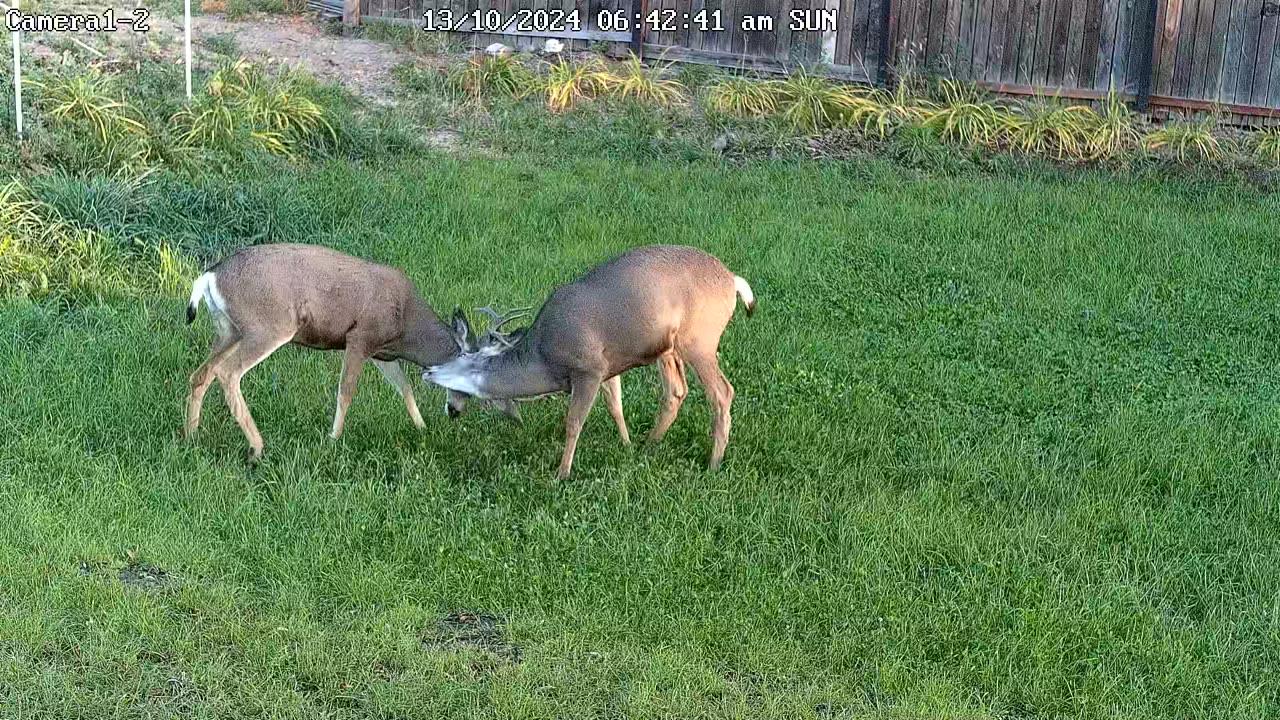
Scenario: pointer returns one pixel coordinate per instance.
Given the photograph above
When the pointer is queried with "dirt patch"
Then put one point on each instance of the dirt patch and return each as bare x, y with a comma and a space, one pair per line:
444, 139
468, 631
362, 66
143, 577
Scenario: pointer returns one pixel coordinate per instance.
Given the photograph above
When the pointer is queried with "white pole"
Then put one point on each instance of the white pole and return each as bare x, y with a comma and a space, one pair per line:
17, 78
186, 10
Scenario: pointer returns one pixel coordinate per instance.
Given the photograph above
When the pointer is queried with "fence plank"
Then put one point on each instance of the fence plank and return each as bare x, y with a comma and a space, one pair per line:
947, 59
1075, 39
783, 49
915, 48
1107, 44
844, 30
1266, 53
1001, 10
1274, 96
1208, 46
862, 46
965, 45
1089, 43
1059, 43
1026, 42
982, 23
1232, 52
1044, 42
1167, 40
1128, 42
760, 43
935, 33
1209, 80
1186, 48
721, 41
1249, 53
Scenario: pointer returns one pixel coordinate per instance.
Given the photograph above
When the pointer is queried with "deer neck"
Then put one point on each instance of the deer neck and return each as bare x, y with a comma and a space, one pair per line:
427, 341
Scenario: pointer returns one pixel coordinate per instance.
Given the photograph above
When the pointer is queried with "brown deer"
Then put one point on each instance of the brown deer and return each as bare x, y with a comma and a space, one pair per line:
266, 296
658, 304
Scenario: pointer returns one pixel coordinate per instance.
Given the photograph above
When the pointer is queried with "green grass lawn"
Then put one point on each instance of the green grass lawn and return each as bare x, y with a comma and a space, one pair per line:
1001, 448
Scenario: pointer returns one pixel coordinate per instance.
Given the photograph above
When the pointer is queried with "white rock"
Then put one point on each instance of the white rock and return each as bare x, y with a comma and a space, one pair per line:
498, 50
552, 46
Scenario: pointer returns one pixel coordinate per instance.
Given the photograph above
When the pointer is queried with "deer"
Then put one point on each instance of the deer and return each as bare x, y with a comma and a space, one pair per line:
263, 297
661, 305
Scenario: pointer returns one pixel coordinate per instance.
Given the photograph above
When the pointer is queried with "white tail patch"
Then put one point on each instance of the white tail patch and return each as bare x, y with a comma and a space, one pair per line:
744, 292
205, 288
198, 289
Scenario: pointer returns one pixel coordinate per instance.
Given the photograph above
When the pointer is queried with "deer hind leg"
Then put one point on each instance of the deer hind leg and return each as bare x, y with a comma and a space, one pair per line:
394, 374
202, 378
719, 397
583, 391
612, 390
674, 390
352, 363
243, 357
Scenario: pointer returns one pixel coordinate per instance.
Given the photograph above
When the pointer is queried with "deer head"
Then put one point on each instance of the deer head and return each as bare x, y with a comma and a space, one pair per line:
476, 351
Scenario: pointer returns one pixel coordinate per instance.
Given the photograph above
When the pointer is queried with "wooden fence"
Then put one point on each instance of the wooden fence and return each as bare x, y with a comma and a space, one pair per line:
1169, 55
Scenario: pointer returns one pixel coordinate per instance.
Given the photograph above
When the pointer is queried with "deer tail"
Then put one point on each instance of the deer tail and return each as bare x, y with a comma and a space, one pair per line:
199, 289
744, 291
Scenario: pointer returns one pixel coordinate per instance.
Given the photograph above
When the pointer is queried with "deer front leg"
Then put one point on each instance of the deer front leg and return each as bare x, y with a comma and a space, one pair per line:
352, 364
392, 371
612, 389
583, 391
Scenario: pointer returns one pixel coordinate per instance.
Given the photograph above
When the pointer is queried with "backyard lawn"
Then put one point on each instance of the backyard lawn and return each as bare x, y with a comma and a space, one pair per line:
1002, 447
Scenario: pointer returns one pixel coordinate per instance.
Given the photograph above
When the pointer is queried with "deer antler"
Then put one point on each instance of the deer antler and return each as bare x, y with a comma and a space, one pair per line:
495, 328
500, 320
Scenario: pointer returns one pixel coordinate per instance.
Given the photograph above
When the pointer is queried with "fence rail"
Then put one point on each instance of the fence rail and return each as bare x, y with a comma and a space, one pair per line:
1171, 55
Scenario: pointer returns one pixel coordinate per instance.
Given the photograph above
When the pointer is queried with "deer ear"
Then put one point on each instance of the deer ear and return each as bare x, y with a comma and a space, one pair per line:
462, 330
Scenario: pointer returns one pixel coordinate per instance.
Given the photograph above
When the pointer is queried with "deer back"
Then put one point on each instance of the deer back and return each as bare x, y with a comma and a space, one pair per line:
633, 308
324, 299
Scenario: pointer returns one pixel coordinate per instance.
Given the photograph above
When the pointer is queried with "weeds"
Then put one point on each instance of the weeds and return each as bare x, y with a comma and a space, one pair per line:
96, 129
964, 116
87, 99
240, 105
569, 83
885, 112
647, 85
1043, 128
1265, 147
1111, 133
504, 76
1183, 139
742, 97
812, 102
